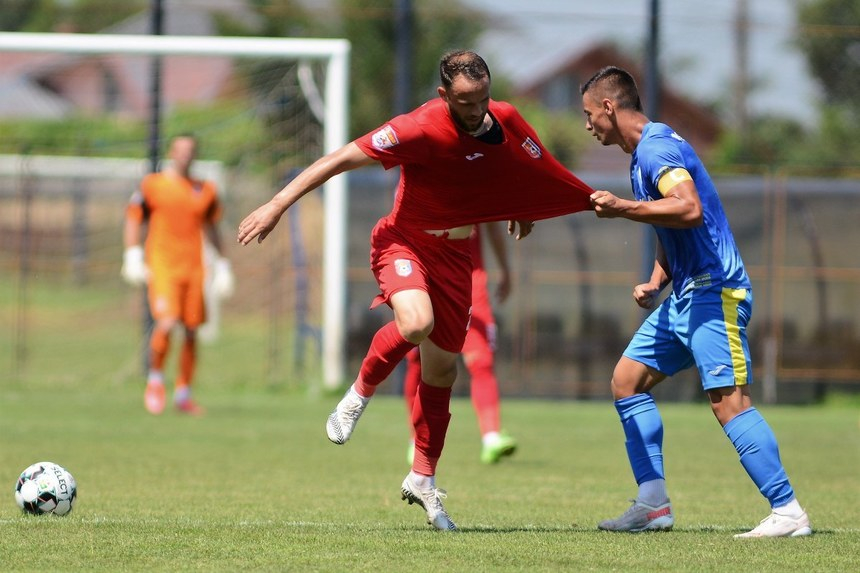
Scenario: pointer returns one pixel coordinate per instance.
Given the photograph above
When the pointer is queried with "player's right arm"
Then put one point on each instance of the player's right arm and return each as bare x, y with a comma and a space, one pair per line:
496, 238
262, 220
134, 270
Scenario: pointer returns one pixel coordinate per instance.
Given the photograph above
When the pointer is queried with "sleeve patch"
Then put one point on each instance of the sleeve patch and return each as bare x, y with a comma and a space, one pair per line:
669, 177
384, 138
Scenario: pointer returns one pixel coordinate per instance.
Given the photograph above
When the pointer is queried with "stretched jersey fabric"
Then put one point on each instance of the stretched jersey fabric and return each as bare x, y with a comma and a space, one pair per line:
177, 210
701, 256
449, 178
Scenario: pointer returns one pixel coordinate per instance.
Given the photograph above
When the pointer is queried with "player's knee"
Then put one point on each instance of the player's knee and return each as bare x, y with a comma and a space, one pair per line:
440, 377
416, 329
479, 362
166, 324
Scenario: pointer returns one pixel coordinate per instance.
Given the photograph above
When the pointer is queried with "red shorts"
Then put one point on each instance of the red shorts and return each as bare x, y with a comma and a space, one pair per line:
406, 259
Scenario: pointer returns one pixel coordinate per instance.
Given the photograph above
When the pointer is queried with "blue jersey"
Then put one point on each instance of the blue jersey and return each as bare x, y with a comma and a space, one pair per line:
700, 256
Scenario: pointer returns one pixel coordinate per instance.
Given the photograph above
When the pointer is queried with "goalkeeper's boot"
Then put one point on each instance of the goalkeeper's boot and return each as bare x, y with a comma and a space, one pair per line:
776, 525
494, 450
642, 517
190, 407
342, 421
430, 498
154, 397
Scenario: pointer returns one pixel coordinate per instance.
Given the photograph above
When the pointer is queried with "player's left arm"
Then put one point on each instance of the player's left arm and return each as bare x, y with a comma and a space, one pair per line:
646, 294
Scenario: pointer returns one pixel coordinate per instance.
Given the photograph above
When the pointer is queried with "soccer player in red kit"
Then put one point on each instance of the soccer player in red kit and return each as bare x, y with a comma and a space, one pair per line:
464, 159
478, 349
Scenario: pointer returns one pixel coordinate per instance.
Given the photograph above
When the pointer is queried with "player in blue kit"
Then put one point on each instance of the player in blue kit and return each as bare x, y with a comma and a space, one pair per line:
703, 320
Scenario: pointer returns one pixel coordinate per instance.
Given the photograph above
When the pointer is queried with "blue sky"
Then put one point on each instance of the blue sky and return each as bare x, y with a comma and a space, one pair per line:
697, 45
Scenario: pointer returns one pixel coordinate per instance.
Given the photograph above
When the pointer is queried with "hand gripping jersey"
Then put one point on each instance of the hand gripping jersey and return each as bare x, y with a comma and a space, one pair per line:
702, 256
176, 210
449, 178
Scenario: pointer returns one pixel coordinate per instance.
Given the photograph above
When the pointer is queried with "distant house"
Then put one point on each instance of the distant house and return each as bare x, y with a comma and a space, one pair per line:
558, 88
49, 86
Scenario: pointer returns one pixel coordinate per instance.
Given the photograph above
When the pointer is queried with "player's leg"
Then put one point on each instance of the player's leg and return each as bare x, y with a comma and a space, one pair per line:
410, 387
413, 321
193, 313
643, 430
722, 354
164, 306
430, 418
451, 294
479, 358
653, 353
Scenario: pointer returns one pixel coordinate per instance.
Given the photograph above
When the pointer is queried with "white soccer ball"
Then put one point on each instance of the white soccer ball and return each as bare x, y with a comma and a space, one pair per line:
46, 487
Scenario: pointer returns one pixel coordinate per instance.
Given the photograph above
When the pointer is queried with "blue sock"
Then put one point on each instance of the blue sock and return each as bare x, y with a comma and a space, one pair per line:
759, 453
643, 429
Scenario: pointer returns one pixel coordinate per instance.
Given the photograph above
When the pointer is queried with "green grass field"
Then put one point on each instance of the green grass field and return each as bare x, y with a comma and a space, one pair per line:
255, 485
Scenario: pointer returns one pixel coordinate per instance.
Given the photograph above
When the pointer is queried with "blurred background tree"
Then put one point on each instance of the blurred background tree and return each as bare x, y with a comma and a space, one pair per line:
828, 34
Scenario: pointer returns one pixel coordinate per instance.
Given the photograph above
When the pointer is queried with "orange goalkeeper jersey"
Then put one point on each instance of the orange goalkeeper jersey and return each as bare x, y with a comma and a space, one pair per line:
177, 210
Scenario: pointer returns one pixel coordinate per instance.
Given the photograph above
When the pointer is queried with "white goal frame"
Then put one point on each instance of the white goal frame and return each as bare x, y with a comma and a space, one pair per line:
335, 54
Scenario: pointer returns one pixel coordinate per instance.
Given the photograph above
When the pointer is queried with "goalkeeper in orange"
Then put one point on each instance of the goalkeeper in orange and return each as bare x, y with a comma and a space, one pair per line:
178, 209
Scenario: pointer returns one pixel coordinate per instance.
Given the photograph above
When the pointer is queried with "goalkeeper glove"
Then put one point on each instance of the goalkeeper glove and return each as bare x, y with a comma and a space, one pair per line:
134, 270
223, 282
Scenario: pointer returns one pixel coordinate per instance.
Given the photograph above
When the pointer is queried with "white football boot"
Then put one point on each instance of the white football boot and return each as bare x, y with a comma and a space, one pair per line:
430, 498
776, 525
341, 422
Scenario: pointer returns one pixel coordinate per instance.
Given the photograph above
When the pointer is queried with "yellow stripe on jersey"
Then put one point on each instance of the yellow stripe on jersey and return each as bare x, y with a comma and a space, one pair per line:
671, 178
731, 299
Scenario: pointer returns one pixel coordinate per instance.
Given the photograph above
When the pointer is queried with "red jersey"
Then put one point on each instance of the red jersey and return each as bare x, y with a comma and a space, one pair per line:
449, 178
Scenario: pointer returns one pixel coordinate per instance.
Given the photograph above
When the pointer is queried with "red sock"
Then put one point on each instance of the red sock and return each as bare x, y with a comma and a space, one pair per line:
485, 394
430, 417
411, 379
386, 351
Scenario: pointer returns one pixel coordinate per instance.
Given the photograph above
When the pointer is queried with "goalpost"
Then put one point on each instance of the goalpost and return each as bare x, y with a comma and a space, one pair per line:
334, 54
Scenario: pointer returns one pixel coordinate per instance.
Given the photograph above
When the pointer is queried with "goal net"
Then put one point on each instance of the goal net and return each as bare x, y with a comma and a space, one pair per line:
78, 111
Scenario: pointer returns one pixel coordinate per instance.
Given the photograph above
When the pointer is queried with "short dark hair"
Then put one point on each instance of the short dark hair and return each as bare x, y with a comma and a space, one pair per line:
462, 63
617, 84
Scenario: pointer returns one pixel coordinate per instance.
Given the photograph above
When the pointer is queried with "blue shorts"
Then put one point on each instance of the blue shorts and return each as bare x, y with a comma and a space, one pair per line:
707, 328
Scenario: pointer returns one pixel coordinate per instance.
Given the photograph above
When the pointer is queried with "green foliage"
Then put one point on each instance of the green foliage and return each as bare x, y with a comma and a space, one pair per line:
770, 142
82, 16
773, 143
828, 34
369, 25
227, 128
15, 14
255, 486
560, 131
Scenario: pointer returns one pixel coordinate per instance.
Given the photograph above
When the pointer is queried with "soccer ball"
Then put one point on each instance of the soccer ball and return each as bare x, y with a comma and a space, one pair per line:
46, 487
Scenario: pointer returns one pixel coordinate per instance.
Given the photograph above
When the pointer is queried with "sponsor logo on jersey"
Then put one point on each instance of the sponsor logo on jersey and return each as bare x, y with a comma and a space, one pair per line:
474, 156
384, 138
403, 267
531, 148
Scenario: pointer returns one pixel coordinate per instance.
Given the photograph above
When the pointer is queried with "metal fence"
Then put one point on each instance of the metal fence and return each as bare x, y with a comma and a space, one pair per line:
568, 319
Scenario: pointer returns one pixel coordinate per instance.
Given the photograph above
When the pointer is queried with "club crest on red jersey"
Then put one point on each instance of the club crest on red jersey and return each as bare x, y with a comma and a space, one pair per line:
532, 148
384, 138
403, 267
